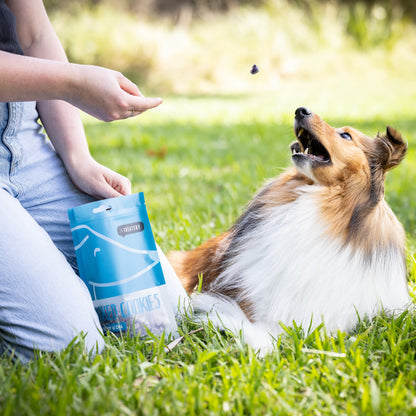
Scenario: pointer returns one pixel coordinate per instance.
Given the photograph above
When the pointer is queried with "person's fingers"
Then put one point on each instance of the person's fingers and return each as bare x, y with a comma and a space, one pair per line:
140, 104
109, 192
129, 86
108, 95
124, 186
117, 184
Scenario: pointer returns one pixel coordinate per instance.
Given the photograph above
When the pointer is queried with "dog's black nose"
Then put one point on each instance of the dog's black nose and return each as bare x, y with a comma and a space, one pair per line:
302, 112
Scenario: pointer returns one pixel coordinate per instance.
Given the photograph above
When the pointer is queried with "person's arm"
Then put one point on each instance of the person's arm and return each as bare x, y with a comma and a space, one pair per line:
44, 75
100, 92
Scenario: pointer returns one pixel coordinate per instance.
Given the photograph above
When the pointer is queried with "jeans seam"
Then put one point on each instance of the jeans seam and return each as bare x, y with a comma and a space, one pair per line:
14, 118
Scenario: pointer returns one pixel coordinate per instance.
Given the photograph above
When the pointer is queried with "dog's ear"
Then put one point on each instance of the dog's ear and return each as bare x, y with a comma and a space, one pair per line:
391, 148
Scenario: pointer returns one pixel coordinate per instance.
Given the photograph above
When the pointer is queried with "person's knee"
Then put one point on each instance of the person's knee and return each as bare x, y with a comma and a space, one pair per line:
92, 338
81, 327
54, 340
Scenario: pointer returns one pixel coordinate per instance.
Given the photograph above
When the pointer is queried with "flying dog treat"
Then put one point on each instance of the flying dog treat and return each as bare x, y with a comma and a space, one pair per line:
254, 69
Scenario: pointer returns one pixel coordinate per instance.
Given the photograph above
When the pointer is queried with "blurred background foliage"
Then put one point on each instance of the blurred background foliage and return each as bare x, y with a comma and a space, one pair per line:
391, 7
207, 46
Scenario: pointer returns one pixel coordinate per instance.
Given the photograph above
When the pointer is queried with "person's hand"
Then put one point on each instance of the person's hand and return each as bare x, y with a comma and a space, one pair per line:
97, 180
106, 94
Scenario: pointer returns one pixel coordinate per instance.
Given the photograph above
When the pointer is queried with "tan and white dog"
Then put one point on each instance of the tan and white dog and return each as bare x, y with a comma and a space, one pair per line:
317, 244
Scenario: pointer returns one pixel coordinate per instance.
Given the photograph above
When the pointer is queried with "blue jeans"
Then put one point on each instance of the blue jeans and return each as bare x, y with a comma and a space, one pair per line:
43, 302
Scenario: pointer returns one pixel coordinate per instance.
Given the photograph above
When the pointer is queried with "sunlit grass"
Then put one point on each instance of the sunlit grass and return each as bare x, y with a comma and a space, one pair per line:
199, 159
219, 150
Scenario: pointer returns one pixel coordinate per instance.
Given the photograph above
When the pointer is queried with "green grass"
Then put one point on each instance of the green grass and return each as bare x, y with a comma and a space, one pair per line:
219, 150
371, 373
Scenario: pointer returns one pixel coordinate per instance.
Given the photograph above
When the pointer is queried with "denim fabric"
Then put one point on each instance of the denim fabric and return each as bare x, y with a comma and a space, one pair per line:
43, 302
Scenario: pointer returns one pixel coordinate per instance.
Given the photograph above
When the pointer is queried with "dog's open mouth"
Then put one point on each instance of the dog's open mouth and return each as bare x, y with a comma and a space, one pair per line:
308, 145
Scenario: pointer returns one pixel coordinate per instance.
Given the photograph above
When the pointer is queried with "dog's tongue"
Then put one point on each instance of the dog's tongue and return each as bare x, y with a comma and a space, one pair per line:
320, 157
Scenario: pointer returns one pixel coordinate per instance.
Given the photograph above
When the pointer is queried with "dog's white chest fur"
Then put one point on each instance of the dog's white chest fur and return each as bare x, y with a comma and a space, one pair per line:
289, 268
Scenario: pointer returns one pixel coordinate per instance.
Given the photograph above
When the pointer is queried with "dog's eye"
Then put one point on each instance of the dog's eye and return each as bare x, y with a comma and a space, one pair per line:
345, 136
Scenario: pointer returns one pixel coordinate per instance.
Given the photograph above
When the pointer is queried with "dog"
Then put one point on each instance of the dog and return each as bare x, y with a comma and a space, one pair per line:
317, 245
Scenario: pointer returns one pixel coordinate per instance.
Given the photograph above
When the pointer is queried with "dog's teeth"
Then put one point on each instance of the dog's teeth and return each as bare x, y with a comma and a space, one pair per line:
307, 151
300, 132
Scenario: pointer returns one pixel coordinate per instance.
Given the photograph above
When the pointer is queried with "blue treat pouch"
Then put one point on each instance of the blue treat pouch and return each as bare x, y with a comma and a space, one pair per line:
119, 262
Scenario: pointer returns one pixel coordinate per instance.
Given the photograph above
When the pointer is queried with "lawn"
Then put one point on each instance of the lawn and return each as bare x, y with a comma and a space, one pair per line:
198, 159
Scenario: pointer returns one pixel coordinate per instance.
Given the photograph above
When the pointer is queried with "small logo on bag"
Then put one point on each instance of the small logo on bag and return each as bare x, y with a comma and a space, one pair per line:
134, 227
